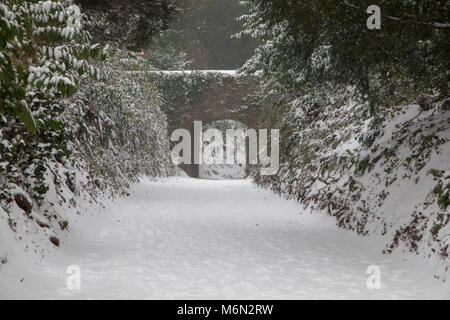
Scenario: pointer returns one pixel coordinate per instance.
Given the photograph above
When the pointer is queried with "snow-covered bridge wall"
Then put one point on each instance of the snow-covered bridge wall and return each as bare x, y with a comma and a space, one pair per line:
206, 95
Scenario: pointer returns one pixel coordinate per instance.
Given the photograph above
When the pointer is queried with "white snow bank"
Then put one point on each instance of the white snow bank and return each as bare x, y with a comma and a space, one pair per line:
202, 239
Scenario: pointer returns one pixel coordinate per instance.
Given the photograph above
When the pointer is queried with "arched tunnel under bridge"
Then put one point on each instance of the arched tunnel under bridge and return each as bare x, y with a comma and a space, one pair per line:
212, 97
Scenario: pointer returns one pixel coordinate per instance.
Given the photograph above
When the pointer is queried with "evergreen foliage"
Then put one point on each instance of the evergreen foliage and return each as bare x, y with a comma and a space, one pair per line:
409, 53
43, 52
75, 121
346, 100
130, 24
204, 30
117, 126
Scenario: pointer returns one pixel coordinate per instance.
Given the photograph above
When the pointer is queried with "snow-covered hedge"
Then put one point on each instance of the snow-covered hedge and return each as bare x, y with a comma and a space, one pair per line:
43, 52
365, 134
386, 174
117, 126
73, 128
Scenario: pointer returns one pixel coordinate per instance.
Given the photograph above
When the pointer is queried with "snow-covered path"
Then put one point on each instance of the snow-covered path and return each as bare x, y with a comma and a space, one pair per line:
200, 239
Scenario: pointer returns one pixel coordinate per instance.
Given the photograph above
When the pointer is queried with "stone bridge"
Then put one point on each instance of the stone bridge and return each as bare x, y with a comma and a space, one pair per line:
207, 96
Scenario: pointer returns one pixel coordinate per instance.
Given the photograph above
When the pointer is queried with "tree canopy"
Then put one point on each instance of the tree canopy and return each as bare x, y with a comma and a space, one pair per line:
410, 49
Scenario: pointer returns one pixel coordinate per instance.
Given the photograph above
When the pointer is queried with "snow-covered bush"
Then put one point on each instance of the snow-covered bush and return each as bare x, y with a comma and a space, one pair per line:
354, 140
71, 125
386, 174
43, 52
117, 126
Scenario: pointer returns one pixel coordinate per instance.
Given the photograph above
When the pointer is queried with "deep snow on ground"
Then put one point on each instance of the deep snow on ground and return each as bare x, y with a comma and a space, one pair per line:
209, 239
